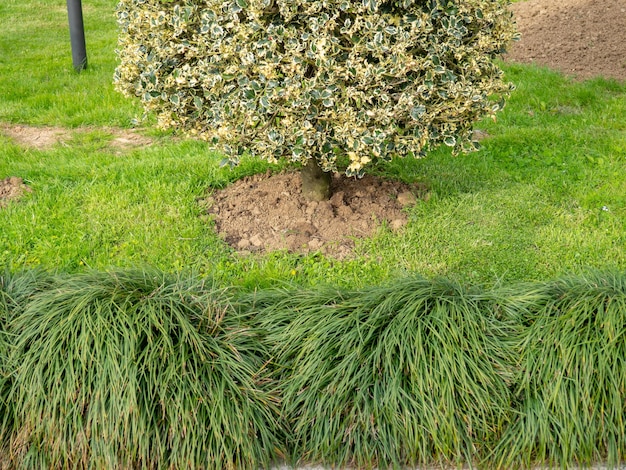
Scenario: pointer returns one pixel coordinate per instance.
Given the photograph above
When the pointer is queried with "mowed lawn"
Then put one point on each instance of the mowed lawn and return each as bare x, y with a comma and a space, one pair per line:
546, 194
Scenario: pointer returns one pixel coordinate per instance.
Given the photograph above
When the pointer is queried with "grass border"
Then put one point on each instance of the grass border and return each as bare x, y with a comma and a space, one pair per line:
412, 372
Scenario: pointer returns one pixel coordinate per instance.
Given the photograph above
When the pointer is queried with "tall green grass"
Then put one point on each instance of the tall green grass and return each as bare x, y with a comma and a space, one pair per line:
571, 382
413, 372
4, 353
138, 369
15, 291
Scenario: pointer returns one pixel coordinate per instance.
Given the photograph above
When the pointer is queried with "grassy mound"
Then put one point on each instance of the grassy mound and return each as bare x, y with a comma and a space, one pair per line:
138, 369
414, 372
571, 382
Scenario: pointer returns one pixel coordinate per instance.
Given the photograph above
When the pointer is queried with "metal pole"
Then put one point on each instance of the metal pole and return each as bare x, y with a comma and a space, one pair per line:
77, 34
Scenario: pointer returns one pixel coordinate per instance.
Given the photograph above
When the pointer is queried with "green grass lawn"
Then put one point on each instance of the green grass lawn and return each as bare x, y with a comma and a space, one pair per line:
546, 195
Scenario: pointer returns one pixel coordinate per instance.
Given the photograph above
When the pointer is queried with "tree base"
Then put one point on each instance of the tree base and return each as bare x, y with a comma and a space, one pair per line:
315, 182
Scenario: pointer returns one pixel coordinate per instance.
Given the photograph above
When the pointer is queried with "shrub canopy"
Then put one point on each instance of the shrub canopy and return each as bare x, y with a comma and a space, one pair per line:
345, 81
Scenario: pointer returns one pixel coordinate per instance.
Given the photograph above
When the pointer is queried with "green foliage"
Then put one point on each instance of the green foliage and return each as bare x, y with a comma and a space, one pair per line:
15, 292
4, 354
413, 372
138, 370
353, 80
133, 369
571, 381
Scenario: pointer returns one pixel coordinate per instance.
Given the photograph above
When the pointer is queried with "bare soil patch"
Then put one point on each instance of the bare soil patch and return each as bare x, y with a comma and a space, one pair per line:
12, 188
267, 212
45, 137
581, 38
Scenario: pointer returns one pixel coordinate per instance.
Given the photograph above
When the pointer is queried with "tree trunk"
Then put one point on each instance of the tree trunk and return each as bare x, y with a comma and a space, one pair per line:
315, 182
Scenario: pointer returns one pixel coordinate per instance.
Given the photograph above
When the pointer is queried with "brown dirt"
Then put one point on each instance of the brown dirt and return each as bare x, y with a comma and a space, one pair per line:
12, 188
267, 213
43, 138
581, 38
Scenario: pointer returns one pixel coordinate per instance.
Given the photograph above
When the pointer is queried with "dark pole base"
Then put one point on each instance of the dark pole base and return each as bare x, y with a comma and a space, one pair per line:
77, 34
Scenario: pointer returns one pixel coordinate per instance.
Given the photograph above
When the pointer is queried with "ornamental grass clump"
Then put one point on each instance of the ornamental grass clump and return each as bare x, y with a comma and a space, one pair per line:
412, 373
136, 369
334, 83
5, 410
15, 292
571, 384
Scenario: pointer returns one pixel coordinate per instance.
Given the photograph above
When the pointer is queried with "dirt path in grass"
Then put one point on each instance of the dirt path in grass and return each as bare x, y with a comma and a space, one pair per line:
46, 137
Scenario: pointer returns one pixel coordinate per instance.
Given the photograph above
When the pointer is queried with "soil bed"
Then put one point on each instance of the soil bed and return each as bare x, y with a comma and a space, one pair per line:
581, 38
267, 213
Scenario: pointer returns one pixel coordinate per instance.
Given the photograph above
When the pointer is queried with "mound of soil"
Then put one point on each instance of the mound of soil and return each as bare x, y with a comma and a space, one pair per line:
581, 38
267, 213
12, 188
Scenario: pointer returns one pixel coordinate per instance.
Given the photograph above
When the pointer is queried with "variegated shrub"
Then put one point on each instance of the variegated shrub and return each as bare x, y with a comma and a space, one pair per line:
342, 81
